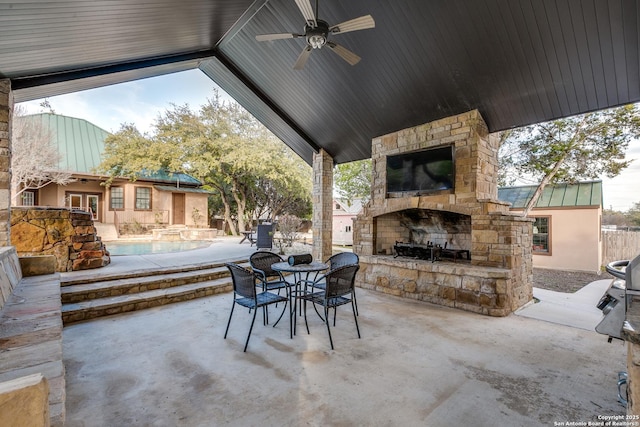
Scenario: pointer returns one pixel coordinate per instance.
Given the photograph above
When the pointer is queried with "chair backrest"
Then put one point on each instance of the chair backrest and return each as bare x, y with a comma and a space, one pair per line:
340, 281
341, 259
244, 281
261, 262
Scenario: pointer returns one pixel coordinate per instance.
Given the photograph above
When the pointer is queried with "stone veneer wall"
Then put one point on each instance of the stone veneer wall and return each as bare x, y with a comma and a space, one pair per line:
6, 107
498, 279
69, 235
322, 198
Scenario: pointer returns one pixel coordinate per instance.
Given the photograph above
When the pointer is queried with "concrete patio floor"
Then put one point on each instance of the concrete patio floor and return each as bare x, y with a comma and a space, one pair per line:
417, 364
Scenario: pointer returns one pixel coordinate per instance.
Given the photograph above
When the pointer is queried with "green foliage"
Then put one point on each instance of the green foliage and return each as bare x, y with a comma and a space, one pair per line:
250, 171
353, 180
570, 149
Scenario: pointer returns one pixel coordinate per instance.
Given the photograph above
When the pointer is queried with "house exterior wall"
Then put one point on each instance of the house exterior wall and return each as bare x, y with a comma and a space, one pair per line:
161, 202
199, 202
575, 239
343, 228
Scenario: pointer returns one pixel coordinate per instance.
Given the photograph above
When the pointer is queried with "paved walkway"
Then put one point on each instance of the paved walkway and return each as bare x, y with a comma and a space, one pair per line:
577, 310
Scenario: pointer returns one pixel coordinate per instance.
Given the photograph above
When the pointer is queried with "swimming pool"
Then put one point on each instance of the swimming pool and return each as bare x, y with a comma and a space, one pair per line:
154, 246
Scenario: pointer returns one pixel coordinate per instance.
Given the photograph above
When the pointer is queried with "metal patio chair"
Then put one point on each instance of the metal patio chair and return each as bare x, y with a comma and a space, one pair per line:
246, 295
270, 279
339, 290
340, 260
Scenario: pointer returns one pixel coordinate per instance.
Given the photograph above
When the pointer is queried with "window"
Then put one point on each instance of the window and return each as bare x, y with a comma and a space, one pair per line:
541, 228
143, 198
347, 228
117, 198
29, 198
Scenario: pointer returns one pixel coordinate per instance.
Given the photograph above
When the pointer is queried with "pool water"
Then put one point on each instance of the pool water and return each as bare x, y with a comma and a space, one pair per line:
154, 247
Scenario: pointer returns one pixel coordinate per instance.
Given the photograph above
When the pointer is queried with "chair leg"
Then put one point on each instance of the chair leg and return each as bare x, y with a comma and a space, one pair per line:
281, 314
233, 305
355, 316
355, 301
305, 315
326, 320
250, 329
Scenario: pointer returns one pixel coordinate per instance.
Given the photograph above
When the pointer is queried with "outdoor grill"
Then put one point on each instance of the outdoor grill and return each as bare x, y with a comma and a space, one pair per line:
614, 305
614, 302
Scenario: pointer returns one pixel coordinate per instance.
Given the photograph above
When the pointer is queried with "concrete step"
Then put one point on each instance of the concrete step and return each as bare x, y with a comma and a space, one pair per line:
92, 297
92, 276
91, 309
131, 285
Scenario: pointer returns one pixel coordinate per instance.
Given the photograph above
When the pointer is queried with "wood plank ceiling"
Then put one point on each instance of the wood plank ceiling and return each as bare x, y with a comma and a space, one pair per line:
516, 61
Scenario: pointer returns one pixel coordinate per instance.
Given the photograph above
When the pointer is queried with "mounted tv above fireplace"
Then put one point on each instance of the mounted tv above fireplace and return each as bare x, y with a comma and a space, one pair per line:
421, 172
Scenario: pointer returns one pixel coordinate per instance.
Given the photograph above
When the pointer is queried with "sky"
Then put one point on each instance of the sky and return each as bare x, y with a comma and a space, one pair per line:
141, 101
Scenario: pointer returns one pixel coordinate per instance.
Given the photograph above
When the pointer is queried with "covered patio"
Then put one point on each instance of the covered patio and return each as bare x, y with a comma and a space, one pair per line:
514, 62
417, 364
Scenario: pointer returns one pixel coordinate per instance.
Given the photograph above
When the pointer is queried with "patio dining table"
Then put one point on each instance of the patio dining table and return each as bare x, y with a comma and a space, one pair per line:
298, 270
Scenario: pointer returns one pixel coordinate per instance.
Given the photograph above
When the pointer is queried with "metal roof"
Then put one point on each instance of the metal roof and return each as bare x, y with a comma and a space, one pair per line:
587, 193
517, 61
81, 145
79, 142
182, 189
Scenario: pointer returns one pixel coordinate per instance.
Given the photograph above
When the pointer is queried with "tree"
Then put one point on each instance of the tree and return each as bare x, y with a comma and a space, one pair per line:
35, 159
222, 145
633, 214
569, 149
617, 218
353, 180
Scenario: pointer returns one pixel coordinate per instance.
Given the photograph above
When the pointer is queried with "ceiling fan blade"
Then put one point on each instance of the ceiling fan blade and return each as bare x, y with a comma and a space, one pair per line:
302, 59
344, 53
280, 36
362, 23
307, 11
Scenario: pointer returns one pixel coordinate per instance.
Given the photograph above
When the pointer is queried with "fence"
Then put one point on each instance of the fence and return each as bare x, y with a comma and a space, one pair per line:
619, 245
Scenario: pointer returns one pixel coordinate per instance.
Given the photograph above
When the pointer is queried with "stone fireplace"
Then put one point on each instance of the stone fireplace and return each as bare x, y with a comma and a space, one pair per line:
496, 280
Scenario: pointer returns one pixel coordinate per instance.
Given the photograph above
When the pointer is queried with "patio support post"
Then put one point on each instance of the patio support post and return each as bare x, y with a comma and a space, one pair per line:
6, 111
322, 223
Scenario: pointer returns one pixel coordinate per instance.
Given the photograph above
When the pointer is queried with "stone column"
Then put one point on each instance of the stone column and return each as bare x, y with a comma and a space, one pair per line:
322, 223
6, 111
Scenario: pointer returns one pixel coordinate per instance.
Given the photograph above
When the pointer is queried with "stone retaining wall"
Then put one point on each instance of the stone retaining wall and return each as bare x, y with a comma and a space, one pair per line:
69, 235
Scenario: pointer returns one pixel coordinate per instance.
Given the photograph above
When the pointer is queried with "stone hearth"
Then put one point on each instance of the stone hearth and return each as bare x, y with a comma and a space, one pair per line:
497, 279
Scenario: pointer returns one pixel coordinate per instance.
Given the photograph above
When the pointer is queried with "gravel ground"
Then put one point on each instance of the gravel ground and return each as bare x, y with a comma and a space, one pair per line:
564, 281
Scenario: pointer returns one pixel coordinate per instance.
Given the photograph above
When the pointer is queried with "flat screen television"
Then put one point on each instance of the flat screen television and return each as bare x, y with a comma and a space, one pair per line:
421, 172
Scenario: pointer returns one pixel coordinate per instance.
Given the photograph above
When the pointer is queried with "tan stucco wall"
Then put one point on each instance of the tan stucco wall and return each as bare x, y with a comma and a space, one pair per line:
575, 239
196, 201
54, 196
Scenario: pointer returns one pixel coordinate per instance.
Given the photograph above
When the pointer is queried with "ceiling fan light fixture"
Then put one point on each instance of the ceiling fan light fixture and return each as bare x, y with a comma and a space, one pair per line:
317, 36
316, 41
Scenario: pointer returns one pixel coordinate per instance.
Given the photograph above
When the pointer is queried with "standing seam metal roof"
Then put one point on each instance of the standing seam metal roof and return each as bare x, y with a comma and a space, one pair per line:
79, 142
588, 193
81, 145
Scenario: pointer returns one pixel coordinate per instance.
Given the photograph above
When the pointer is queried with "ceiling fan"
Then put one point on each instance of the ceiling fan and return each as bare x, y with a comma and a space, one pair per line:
317, 31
